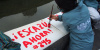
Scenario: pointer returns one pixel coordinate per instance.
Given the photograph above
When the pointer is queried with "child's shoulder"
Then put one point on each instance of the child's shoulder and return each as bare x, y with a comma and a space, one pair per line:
72, 14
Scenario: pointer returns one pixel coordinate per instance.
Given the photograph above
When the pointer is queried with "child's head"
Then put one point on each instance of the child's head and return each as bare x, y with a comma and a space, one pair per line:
66, 5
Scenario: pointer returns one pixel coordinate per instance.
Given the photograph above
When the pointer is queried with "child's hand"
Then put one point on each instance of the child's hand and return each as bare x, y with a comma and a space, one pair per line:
54, 17
99, 9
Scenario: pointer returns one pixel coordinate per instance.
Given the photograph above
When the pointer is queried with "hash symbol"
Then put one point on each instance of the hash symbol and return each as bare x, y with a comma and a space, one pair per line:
35, 46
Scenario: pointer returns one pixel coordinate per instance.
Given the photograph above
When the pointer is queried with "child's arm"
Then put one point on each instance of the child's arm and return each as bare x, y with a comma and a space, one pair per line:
59, 17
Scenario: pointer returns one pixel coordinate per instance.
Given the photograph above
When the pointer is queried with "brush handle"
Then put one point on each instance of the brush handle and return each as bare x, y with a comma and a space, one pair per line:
51, 12
50, 17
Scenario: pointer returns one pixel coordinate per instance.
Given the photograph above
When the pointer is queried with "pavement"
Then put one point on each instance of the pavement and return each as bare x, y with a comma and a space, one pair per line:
96, 40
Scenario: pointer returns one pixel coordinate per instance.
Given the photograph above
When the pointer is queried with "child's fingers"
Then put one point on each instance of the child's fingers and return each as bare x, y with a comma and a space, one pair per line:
53, 17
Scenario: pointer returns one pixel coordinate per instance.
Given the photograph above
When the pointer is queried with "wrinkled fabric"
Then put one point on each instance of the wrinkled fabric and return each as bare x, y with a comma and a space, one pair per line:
78, 23
7, 44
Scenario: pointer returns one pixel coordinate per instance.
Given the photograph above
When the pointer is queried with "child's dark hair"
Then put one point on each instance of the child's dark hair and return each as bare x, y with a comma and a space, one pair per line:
98, 0
66, 5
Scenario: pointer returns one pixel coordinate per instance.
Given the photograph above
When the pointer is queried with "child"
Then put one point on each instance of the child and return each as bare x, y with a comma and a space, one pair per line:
76, 20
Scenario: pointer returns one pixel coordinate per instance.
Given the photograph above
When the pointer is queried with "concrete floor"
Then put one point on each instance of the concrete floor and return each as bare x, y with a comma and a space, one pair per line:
96, 40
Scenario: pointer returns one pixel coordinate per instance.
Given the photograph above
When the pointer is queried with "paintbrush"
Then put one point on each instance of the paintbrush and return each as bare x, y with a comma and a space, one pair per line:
50, 17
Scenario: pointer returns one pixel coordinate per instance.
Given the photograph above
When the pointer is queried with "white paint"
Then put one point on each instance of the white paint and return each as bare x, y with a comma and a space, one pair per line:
56, 27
